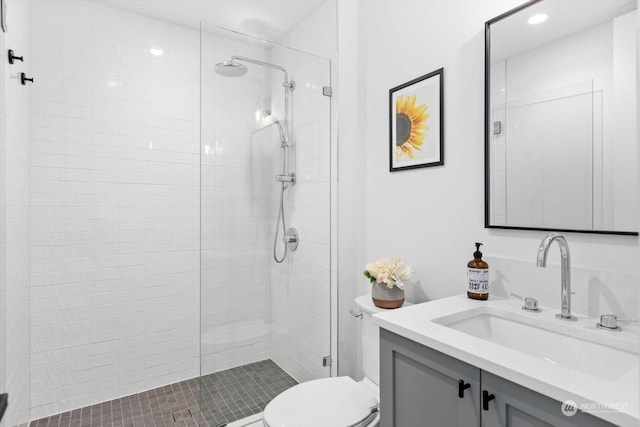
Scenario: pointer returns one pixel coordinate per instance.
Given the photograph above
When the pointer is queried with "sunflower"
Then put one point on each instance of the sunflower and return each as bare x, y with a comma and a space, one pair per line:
410, 125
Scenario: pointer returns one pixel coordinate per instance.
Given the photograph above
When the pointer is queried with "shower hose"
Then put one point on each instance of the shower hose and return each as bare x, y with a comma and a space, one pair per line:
284, 228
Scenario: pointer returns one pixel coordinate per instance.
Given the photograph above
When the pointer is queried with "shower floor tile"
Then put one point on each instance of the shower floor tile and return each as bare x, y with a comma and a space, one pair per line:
209, 401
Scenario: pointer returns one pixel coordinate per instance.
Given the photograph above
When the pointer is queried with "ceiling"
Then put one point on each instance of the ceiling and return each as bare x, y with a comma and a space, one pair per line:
513, 35
264, 19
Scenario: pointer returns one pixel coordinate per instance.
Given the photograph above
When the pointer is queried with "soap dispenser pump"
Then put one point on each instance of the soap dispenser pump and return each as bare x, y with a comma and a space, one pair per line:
478, 275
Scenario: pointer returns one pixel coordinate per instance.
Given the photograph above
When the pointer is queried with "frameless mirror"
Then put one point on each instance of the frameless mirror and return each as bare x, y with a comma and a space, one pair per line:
560, 117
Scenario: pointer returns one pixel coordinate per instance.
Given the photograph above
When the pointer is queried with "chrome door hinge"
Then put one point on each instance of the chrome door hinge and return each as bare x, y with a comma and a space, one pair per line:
327, 361
327, 91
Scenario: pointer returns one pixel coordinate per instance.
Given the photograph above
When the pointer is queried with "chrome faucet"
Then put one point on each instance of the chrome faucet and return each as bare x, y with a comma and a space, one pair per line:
565, 293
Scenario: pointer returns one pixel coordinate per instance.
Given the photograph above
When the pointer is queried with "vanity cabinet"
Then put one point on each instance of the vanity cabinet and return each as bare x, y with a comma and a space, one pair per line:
420, 386
517, 406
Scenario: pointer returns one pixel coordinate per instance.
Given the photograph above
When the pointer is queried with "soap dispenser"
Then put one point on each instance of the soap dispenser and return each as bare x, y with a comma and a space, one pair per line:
478, 275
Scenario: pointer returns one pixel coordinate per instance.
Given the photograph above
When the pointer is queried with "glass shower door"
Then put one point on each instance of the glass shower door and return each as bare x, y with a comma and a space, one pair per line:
265, 322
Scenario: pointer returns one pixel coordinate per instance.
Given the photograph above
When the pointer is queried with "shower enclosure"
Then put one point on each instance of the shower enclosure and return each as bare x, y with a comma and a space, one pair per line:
265, 220
141, 197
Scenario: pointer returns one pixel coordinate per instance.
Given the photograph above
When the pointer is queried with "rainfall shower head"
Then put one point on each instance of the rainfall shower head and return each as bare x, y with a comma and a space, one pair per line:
231, 68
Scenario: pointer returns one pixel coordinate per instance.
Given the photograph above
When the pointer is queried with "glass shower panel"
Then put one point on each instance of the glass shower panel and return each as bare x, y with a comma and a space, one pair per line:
265, 155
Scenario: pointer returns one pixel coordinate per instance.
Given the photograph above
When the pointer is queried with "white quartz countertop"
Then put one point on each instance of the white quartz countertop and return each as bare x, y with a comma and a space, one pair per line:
422, 323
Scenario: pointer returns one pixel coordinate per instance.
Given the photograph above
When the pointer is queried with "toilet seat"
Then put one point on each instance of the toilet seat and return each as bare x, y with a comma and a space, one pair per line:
327, 402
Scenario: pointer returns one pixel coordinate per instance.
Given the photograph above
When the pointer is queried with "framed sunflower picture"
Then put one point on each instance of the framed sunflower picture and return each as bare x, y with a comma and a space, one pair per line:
416, 123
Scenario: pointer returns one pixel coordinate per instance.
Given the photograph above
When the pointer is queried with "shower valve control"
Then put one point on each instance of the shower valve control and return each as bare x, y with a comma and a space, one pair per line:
290, 238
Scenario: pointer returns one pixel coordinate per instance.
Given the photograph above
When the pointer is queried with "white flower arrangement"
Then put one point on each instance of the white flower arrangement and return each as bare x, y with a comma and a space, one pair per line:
391, 271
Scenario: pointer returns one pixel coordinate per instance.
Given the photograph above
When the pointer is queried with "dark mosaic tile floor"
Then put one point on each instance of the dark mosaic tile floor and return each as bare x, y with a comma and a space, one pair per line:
209, 401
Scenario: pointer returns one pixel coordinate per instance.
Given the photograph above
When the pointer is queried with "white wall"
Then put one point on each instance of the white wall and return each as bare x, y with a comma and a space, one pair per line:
432, 216
14, 216
625, 127
351, 184
114, 204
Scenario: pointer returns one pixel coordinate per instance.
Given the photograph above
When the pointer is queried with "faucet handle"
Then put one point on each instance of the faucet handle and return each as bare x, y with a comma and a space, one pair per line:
610, 322
530, 304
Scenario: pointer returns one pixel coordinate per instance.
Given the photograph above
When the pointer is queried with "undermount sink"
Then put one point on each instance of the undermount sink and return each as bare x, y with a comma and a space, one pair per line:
561, 359
601, 355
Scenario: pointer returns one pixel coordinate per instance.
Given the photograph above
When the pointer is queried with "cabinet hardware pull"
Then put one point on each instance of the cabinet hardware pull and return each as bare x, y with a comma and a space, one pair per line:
486, 398
462, 387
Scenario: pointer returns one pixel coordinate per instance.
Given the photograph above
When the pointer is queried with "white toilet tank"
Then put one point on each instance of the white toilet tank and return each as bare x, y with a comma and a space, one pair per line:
369, 339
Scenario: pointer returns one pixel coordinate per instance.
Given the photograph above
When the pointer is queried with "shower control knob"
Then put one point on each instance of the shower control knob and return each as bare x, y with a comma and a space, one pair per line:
291, 239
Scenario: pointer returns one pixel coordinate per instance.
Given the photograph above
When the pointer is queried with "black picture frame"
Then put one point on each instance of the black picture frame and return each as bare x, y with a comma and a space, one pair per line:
416, 143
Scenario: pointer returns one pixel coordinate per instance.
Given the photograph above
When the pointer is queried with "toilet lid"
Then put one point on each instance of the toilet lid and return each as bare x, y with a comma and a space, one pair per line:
327, 402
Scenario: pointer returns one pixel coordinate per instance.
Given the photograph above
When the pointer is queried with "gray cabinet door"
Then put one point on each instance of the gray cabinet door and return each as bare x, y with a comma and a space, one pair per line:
419, 386
516, 406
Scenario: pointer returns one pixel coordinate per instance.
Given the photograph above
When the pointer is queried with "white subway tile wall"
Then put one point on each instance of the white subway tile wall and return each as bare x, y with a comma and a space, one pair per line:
305, 37
14, 231
254, 308
115, 198
301, 285
114, 204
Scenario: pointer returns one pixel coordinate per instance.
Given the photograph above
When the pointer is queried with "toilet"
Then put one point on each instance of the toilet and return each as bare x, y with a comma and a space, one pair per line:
336, 401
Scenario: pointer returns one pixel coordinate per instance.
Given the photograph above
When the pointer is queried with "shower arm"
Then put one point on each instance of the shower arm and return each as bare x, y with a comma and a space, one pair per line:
286, 83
